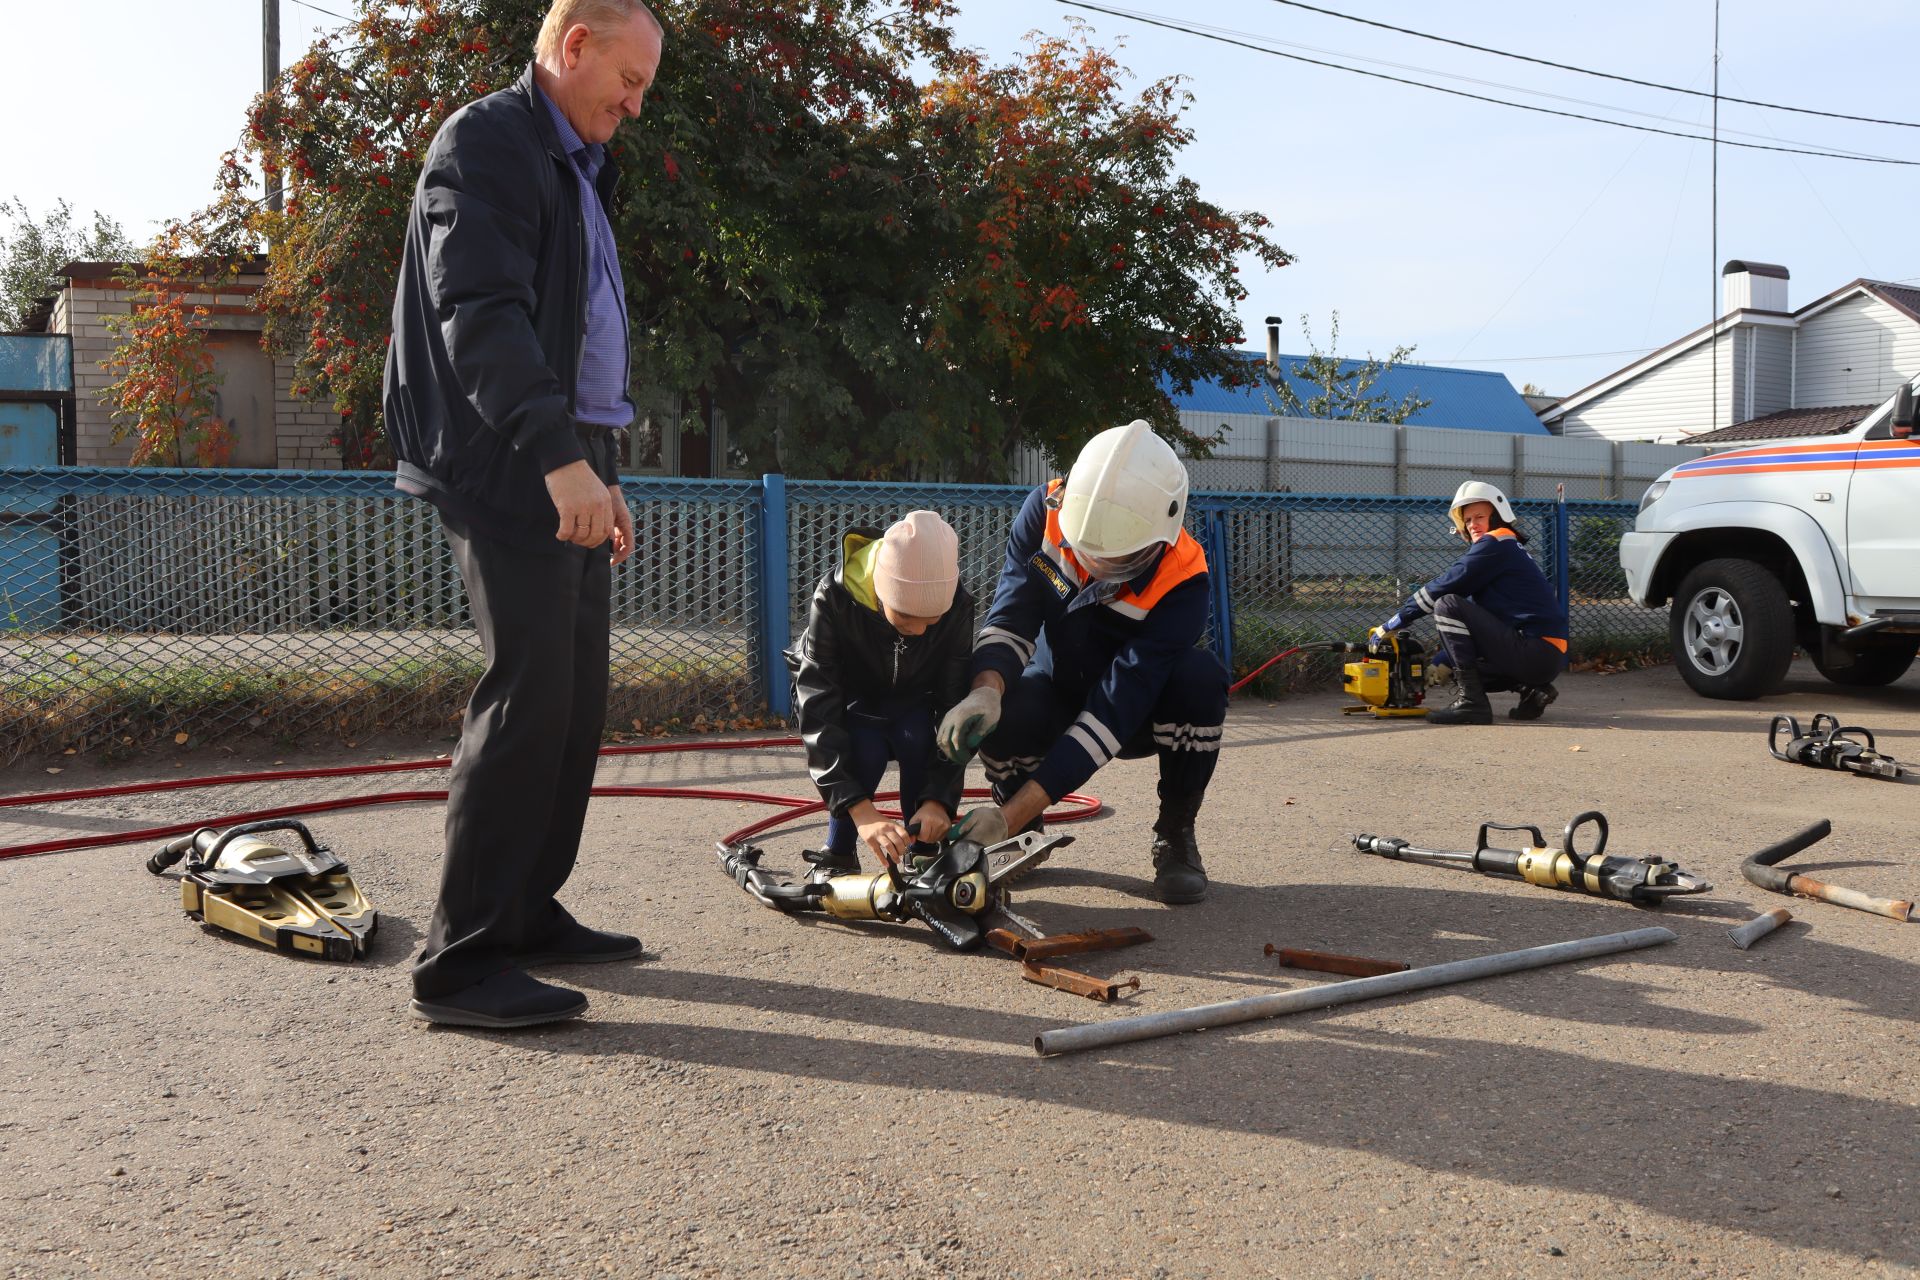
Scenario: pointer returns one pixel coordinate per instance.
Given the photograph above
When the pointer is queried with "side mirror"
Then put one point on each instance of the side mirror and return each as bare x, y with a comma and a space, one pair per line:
1902, 425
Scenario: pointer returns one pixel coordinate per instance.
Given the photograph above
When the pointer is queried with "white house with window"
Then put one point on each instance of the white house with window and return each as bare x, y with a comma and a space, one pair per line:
1760, 359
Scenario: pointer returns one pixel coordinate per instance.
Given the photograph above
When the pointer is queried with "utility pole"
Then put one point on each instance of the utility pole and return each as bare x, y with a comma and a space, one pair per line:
269, 75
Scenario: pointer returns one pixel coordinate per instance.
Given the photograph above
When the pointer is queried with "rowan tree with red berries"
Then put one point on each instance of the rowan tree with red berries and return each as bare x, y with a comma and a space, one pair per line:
869, 275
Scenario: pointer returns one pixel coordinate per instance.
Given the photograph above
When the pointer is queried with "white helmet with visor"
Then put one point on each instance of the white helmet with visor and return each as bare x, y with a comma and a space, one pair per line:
1124, 499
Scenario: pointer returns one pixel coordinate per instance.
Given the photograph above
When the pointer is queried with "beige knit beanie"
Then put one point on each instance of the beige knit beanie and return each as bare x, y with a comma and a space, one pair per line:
917, 568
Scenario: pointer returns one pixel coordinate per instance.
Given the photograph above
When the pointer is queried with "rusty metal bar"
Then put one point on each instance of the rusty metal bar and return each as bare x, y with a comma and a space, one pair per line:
1067, 944
1759, 869
1745, 935
1080, 984
1327, 962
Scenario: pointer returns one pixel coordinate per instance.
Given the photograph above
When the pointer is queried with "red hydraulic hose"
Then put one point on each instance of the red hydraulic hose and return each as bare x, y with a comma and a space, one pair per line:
1076, 807
1249, 678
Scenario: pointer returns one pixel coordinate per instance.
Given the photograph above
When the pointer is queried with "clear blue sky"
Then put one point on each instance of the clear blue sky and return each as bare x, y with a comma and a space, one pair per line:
1474, 232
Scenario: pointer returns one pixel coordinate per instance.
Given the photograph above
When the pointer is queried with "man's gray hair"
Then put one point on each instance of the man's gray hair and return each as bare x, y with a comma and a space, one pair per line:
598, 15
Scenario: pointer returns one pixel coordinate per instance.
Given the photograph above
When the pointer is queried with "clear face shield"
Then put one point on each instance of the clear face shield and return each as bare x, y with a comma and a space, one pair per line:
1118, 568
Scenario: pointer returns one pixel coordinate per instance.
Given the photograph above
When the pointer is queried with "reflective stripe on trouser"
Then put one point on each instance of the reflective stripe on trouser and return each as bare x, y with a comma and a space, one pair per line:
877, 733
1506, 659
1183, 730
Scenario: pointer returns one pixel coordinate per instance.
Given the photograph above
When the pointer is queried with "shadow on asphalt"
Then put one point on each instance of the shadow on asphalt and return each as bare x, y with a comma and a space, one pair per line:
1708, 1148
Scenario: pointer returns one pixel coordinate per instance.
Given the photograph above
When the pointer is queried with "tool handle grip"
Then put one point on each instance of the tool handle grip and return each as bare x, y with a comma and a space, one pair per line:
1792, 727
1592, 817
1480, 844
172, 851
960, 932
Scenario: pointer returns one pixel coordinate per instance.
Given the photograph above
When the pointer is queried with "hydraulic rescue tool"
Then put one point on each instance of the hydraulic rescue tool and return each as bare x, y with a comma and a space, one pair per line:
295, 896
1647, 881
1761, 868
1832, 745
946, 890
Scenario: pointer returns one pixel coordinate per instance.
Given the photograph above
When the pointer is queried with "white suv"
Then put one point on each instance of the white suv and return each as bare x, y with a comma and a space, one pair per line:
1812, 541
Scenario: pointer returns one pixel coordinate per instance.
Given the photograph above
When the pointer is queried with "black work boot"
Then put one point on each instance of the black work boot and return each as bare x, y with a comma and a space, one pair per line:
1178, 876
1534, 699
1471, 707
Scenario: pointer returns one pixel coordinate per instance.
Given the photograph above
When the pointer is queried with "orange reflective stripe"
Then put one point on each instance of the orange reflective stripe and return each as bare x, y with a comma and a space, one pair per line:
1556, 642
1184, 560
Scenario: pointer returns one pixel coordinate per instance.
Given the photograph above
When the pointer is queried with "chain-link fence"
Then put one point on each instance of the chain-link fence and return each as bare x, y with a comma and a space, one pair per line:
136, 606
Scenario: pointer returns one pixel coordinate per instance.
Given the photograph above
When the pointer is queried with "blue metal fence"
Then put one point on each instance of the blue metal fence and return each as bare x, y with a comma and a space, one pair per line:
140, 604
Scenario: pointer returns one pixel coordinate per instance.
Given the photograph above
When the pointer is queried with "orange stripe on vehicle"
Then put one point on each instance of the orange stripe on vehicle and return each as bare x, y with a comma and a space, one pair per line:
1843, 464
1556, 642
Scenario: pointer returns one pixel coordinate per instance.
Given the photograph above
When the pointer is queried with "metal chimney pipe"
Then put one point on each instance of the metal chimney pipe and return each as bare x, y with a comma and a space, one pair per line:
1273, 346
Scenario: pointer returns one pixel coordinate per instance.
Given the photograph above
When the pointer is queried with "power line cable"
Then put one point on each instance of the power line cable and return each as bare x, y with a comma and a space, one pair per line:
1571, 355
317, 9
1266, 40
1822, 202
1477, 97
1588, 71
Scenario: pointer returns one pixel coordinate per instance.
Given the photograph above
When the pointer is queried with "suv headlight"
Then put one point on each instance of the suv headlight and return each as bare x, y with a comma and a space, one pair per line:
1652, 495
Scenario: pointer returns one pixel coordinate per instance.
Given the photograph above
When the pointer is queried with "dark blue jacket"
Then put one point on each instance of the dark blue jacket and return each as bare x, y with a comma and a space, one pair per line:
488, 319
1497, 574
1110, 647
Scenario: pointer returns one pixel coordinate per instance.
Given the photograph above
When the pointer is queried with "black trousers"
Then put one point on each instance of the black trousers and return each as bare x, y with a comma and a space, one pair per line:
1505, 658
517, 798
1184, 729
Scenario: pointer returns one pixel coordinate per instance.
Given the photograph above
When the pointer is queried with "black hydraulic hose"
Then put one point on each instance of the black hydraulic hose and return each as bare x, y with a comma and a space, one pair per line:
1759, 867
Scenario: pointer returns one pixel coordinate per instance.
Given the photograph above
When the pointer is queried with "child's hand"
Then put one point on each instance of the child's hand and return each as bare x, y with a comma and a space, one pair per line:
887, 838
933, 820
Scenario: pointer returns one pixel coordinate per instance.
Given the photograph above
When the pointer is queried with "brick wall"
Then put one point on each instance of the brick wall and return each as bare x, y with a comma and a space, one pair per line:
303, 431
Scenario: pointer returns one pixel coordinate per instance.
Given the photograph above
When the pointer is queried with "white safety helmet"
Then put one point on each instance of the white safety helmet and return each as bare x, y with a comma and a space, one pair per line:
1479, 491
1125, 496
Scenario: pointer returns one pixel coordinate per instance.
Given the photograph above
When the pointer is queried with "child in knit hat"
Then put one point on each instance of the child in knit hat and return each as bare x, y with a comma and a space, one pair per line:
885, 653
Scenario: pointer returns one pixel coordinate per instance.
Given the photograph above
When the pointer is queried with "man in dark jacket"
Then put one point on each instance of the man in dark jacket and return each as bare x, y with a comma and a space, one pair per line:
505, 381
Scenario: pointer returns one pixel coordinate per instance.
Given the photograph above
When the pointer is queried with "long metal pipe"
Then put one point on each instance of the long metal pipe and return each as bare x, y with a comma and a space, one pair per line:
1149, 1026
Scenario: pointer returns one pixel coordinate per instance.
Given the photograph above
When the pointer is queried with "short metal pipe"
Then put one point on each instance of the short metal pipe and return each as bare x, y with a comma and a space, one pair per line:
1745, 935
1151, 1026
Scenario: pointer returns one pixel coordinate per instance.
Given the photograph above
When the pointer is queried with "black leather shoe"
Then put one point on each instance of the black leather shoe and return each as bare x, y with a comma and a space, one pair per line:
1178, 876
508, 999
578, 944
1534, 699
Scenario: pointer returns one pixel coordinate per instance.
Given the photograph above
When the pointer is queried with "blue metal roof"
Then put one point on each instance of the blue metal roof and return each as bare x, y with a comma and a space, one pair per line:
1471, 399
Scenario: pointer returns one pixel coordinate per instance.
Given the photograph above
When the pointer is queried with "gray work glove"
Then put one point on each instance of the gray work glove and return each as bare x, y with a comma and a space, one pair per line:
985, 826
964, 728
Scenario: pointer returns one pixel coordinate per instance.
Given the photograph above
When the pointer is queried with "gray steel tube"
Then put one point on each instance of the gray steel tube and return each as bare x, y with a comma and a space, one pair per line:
1149, 1026
1745, 935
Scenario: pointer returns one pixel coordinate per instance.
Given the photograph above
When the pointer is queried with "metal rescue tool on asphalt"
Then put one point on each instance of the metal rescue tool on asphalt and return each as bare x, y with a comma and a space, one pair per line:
294, 896
1832, 745
1646, 881
946, 890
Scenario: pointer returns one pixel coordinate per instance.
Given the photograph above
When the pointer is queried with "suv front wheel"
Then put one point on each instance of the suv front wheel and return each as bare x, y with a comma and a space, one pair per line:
1732, 630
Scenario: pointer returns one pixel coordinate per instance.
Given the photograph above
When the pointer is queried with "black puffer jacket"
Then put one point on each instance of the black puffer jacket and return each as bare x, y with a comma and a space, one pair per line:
488, 317
851, 653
